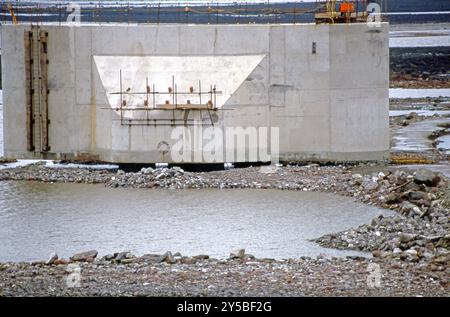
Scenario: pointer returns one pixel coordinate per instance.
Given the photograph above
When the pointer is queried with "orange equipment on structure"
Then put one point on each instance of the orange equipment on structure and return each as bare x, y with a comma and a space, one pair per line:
334, 11
347, 7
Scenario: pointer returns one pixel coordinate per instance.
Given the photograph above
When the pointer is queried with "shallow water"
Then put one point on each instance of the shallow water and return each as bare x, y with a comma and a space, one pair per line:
444, 143
37, 219
419, 41
414, 137
425, 113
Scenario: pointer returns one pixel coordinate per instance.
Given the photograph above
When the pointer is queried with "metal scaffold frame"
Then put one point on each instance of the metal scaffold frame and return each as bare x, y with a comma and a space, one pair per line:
171, 104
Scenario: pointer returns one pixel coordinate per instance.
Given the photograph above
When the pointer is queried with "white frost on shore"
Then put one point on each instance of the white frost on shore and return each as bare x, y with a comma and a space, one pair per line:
19, 163
73, 165
400, 93
51, 164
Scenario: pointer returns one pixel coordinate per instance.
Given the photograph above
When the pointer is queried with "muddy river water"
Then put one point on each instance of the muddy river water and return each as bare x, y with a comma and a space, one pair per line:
39, 218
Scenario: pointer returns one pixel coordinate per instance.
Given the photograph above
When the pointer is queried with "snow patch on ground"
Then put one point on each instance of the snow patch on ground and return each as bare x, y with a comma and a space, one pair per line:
51, 164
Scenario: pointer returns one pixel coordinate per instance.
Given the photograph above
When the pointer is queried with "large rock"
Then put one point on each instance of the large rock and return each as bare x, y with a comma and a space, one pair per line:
188, 260
427, 177
417, 195
168, 258
52, 259
147, 170
444, 242
84, 256
61, 262
123, 255
161, 176
238, 254
408, 208
178, 169
369, 184
201, 257
151, 258
108, 257
442, 259
357, 178
410, 255
407, 237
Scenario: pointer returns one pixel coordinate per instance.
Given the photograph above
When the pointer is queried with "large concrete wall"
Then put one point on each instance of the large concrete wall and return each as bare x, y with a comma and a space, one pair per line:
329, 106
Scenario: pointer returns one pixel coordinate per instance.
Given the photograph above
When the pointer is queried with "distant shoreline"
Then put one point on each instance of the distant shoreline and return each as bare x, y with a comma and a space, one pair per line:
398, 12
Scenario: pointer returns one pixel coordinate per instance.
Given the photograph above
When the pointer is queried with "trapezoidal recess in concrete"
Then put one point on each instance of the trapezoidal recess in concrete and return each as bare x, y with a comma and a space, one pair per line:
138, 72
121, 93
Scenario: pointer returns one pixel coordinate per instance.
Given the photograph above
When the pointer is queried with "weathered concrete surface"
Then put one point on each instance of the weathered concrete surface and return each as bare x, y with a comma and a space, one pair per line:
331, 105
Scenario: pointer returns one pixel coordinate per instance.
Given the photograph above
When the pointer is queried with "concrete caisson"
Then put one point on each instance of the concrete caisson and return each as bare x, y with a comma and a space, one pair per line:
324, 86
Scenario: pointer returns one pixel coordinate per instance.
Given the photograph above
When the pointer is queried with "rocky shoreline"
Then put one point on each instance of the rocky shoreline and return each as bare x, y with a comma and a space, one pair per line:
202, 276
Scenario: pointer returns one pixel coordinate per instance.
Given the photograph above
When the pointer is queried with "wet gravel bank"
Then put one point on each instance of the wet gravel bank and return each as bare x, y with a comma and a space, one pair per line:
238, 277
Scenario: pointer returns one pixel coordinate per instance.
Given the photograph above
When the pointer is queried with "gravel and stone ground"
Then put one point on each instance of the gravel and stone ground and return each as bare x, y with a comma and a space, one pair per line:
145, 276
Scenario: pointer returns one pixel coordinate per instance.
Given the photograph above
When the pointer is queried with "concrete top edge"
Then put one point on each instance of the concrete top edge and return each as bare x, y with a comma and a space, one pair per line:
106, 24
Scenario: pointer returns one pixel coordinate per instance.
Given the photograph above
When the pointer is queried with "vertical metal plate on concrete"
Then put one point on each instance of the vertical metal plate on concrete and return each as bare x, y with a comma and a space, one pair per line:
28, 44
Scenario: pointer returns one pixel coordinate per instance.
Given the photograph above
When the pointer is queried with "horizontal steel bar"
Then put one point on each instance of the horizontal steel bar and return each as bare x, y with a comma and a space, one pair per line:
166, 93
